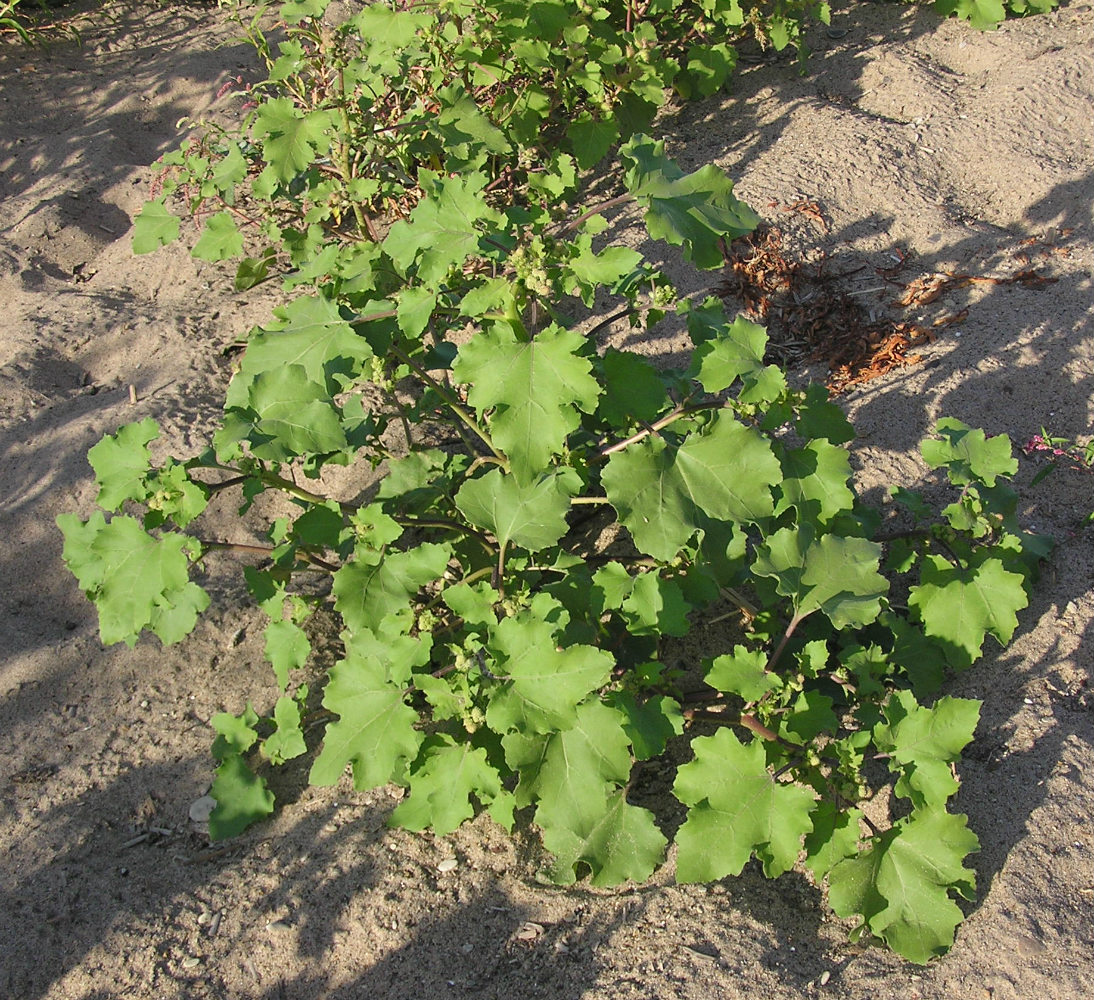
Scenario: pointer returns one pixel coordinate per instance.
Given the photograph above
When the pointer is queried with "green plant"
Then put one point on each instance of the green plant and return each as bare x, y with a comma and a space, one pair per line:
351, 114
987, 15
557, 514
16, 19
1061, 452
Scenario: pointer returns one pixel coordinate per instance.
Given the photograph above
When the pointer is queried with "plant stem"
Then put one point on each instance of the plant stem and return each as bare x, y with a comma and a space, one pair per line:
451, 403
774, 658
668, 418
264, 550
415, 522
622, 199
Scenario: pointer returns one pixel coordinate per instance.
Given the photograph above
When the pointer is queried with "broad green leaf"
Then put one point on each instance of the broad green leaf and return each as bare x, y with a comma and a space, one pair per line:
663, 494
545, 683
815, 482
649, 724
375, 731
633, 389
836, 575
808, 716
923, 743
388, 31
252, 271
656, 606
236, 734
574, 776
612, 586
443, 230
568, 772
229, 170
220, 239
641, 486
323, 525
820, 418
309, 332
743, 673
136, 581
532, 516
366, 593
121, 463
694, 210
533, 388
416, 306
287, 648
986, 15
286, 742
606, 267
709, 66
959, 607
834, 837
620, 843
968, 455
292, 416
921, 658
473, 603
591, 139
443, 785
901, 886
467, 134
295, 11
242, 799
737, 809
724, 353
154, 227
293, 141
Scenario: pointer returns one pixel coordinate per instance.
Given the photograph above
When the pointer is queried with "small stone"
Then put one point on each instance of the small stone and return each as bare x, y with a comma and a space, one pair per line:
201, 809
529, 931
1029, 947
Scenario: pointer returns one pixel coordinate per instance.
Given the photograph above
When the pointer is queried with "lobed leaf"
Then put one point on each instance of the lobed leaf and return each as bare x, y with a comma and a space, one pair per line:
242, 799
154, 227
736, 809
959, 607
545, 683
375, 732
836, 575
137, 581
902, 884
121, 463
534, 389
533, 516
691, 210
664, 494
923, 743
444, 785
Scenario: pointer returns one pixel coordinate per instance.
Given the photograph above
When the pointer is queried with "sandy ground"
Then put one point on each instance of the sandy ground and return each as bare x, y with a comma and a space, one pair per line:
959, 150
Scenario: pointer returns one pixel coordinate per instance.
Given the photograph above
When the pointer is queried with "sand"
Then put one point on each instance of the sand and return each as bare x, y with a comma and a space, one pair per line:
916, 139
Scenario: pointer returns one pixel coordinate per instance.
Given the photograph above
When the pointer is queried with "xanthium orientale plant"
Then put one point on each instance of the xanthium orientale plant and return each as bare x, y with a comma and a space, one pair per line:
555, 514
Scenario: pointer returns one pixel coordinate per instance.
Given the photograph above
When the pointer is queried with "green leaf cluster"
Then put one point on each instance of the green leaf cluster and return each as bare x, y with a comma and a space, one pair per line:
553, 514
